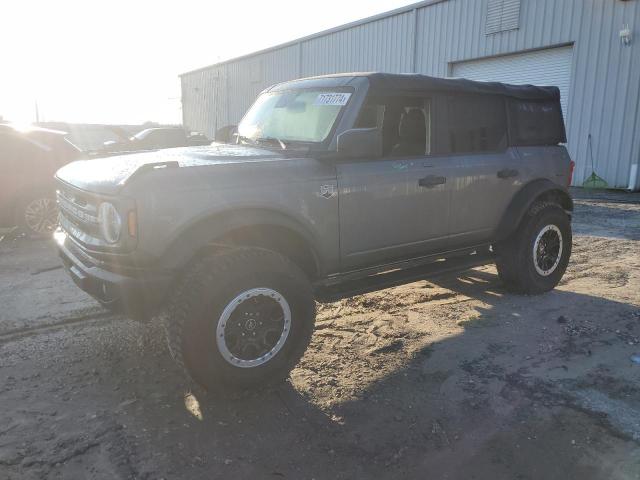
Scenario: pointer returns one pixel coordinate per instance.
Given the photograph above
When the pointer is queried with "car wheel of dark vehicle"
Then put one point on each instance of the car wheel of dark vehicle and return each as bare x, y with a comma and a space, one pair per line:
241, 319
535, 258
37, 214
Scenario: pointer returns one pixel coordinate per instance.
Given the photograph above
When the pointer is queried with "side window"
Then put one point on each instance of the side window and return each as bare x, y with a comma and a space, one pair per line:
371, 115
475, 124
405, 123
19, 155
536, 122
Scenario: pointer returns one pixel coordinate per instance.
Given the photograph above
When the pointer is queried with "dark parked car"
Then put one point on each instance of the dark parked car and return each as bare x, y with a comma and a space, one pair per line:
28, 162
157, 138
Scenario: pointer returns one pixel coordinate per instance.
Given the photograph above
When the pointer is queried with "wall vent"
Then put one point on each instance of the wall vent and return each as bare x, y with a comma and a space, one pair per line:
502, 15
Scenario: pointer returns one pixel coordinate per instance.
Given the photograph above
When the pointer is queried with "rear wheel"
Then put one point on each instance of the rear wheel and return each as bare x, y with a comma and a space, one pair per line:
241, 319
37, 214
534, 259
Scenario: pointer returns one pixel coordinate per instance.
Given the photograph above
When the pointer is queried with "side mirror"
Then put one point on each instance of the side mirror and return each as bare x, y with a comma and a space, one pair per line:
360, 143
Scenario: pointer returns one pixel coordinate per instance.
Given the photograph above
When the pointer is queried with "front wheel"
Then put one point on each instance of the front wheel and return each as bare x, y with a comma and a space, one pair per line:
534, 259
241, 319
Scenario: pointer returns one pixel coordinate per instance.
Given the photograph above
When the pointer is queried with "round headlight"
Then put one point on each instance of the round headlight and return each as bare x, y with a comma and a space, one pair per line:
110, 222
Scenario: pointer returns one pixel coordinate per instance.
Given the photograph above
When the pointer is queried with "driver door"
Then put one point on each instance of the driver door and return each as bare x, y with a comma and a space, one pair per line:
397, 206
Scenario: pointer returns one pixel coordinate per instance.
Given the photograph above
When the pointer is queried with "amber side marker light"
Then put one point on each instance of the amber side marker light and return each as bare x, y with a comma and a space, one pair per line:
132, 223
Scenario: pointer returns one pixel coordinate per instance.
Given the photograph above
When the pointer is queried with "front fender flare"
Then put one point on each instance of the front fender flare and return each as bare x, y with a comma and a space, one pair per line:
203, 232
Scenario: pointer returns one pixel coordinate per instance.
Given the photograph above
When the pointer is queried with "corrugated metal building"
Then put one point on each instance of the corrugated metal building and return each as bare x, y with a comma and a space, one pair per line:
581, 46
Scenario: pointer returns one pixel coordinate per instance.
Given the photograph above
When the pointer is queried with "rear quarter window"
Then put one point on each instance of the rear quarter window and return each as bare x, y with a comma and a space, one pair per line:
535, 122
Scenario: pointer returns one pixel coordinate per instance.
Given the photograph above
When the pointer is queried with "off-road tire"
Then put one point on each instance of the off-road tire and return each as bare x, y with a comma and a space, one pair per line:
514, 256
207, 289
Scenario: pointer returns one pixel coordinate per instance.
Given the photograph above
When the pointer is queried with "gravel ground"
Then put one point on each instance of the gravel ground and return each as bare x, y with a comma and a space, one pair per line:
450, 379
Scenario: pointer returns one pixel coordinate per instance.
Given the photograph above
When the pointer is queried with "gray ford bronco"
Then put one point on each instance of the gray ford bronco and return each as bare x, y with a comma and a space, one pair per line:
333, 186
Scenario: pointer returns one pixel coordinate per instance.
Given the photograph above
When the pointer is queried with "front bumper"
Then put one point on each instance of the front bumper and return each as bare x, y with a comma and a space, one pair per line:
136, 292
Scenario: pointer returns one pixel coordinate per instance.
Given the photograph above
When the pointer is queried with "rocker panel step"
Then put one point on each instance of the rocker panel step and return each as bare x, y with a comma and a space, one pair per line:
393, 278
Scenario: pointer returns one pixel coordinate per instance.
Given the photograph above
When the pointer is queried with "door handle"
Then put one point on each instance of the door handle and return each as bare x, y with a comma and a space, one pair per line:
431, 181
507, 173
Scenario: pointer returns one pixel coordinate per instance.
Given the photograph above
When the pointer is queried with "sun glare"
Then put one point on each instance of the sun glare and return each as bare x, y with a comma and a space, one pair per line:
119, 61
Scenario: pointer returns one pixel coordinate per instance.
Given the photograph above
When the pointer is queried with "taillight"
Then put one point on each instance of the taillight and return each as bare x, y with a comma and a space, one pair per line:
572, 166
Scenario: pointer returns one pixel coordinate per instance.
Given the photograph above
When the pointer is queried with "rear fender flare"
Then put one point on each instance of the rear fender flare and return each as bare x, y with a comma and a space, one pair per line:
522, 201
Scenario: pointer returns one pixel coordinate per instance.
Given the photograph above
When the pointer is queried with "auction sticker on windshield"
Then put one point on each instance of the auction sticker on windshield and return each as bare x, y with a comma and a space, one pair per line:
332, 99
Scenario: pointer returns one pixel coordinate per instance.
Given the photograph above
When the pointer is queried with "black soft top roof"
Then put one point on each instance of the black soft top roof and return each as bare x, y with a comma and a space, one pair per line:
384, 82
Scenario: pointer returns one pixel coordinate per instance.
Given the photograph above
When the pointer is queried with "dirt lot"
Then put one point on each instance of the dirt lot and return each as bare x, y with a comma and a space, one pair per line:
443, 380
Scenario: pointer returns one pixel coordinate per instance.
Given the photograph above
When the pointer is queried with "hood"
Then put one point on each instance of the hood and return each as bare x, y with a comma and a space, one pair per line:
108, 175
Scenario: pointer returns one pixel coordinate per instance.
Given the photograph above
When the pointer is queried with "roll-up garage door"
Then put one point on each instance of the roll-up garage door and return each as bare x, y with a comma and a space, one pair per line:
551, 66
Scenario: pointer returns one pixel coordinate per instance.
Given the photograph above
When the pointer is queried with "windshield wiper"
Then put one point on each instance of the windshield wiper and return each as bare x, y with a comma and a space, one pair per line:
258, 142
272, 141
247, 140
254, 142
269, 142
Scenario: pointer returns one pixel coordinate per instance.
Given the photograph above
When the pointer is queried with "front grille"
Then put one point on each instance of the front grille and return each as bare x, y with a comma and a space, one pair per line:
78, 214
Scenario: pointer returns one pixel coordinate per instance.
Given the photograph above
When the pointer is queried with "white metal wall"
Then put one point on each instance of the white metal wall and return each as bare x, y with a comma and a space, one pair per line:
432, 37
382, 45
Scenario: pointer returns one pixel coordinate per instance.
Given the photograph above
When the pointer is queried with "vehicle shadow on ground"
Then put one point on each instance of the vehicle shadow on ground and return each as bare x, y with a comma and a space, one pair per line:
460, 407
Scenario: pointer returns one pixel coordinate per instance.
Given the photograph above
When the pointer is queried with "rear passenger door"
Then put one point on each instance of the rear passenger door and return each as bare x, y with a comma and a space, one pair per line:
396, 206
485, 172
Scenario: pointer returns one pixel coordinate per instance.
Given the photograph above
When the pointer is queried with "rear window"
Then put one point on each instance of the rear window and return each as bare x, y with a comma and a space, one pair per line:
536, 122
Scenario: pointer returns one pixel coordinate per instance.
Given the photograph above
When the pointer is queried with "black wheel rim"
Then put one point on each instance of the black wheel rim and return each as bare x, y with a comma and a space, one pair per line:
547, 250
253, 327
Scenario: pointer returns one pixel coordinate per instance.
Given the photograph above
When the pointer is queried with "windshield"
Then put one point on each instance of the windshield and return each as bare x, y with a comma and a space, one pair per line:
292, 116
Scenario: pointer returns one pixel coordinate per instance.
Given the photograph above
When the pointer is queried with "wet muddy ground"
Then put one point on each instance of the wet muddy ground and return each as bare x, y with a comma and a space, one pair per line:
448, 379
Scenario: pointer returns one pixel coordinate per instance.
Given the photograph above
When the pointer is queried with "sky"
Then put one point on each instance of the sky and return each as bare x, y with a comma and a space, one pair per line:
118, 61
